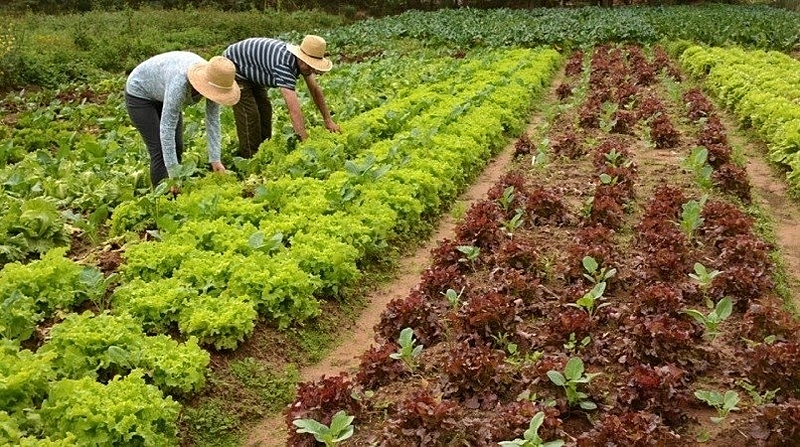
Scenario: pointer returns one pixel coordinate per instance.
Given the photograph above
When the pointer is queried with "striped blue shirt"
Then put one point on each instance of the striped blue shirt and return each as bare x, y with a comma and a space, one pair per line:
265, 62
163, 78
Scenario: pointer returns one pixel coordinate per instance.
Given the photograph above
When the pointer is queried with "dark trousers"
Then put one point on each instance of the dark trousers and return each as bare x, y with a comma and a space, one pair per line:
146, 117
253, 116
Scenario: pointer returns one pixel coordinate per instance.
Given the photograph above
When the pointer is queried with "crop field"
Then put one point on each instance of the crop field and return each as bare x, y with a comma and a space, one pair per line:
622, 283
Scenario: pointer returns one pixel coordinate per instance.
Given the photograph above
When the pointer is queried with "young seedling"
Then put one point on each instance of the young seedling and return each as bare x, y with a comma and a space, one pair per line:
471, 254
341, 429
514, 223
606, 179
724, 403
588, 301
697, 162
607, 121
408, 353
531, 436
572, 377
691, 216
573, 345
507, 198
454, 298
712, 320
617, 160
752, 391
703, 277
594, 273
541, 158
515, 358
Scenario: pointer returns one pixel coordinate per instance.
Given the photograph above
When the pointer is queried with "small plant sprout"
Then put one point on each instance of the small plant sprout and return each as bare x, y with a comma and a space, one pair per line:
572, 377
514, 223
588, 301
712, 320
574, 345
594, 273
606, 119
703, 277
757, 398
341, 429
531, 436
471, 253
541, 158
408, 353
697, 162
586, 208
691, 218
454, 298
606, 179
724, 403
617, 160
507, 198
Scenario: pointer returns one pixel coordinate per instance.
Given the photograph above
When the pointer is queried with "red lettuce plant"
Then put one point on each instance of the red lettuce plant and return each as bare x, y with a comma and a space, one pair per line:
733, 180
414, 311
424, 418
629, 429
376, 368
574, 64
663, 133
663, 390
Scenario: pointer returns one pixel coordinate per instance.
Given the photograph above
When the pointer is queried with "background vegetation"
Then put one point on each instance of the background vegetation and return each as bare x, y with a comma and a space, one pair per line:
51, 50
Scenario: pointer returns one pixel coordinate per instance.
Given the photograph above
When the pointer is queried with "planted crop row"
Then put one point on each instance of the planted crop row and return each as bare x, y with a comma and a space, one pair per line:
753, 26
72, 156
760, 88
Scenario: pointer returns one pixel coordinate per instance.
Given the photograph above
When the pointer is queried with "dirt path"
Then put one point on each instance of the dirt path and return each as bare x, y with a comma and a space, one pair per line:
771, 193
272, 431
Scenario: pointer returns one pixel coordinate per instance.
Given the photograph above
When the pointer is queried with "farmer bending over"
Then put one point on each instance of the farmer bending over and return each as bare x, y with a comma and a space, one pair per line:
159, 88
261, 63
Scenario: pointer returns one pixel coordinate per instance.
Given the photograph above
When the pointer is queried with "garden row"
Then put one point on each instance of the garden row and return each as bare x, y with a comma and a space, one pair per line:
71, 156
611, 290
761, 89
230, 250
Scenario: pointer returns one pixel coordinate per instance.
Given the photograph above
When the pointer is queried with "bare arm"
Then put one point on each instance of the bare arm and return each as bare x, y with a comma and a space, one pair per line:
295, 113
319, 100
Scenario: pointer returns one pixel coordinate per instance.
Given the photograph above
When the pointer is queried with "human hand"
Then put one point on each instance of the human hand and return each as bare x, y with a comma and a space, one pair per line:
174, 190
217, 166
333, 127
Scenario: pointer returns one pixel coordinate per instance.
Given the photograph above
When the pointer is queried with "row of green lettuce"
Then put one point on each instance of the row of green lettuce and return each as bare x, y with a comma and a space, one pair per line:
232, 251
68, 162
763, 90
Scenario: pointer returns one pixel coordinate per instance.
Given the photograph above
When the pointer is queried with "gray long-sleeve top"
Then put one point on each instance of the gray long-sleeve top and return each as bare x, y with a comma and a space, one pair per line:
163, 78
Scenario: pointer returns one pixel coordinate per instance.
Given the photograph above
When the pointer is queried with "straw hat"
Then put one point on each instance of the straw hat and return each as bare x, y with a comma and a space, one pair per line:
312, 52
215, 80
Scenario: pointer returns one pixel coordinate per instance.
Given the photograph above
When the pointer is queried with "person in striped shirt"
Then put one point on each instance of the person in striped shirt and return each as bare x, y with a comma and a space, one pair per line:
156, 92
263, 63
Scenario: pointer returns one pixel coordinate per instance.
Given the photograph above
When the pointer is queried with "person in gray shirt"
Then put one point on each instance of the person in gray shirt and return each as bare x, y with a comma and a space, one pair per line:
266, 63
156, 92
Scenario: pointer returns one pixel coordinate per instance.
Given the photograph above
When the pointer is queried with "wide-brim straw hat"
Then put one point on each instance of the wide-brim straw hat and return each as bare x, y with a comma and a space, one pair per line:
216, 80
312, 52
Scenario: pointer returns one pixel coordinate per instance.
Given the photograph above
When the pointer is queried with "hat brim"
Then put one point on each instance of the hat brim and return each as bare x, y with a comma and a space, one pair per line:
199, 80
322, 65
